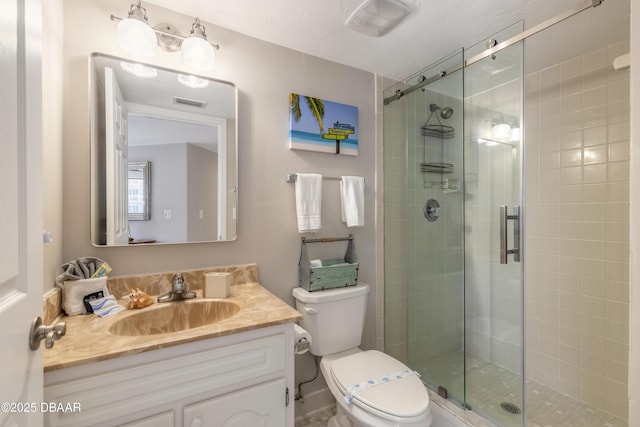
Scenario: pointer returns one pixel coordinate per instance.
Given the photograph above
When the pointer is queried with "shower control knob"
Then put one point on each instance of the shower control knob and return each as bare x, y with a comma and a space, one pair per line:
431, 210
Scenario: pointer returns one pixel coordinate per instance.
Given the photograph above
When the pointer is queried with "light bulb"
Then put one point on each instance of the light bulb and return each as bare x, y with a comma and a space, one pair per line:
136, 37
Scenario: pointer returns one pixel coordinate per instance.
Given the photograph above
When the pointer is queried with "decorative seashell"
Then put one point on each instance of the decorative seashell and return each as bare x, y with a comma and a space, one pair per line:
139, 299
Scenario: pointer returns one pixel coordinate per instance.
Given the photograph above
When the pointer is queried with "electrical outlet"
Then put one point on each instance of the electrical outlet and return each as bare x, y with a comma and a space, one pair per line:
201, 214
167, 214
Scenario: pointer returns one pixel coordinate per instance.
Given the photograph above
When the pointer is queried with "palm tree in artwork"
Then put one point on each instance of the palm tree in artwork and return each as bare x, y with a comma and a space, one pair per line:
316, 106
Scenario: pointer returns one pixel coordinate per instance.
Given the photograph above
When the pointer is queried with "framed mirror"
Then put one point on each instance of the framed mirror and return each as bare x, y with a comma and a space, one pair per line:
183, 125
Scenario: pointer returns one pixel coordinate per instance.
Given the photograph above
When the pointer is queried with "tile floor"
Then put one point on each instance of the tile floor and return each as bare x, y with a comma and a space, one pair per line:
488, 386
317, 418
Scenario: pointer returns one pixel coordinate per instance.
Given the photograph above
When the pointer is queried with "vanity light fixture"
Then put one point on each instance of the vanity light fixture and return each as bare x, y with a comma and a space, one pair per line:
501, 131
193, 81
136, 36
197, 52
134, 33
505, 128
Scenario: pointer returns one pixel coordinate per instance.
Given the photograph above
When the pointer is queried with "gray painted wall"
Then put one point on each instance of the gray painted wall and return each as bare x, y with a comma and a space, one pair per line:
265, 74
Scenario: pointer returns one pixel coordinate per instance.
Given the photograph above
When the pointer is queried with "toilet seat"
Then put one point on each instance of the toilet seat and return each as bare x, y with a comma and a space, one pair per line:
402, 398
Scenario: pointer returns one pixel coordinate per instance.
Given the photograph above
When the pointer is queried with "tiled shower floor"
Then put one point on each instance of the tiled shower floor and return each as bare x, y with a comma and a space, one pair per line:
489, 385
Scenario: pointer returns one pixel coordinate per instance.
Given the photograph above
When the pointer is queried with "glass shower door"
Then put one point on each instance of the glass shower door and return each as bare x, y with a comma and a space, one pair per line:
434, 229
493, 217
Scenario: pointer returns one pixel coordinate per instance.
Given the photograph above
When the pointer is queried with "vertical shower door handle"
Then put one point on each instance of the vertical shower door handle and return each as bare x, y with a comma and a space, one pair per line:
504, 222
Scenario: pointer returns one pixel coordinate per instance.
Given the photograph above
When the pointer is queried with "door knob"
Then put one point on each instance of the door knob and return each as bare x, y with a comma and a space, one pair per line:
40, 332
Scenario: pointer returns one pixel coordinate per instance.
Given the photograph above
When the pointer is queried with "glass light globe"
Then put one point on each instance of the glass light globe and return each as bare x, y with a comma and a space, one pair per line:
501, 130
198, 54
136, 37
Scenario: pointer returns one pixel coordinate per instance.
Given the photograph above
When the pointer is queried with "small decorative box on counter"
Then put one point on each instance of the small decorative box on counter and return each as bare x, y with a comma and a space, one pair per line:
316, 275
216, 285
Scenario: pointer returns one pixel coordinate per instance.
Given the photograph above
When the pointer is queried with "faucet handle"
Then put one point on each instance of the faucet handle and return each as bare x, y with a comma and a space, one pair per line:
177, 283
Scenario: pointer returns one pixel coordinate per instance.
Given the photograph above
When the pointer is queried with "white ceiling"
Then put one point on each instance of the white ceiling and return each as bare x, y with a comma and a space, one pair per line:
435, 29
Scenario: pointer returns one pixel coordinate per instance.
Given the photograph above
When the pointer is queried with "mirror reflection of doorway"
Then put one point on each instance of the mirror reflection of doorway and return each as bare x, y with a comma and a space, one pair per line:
116, 156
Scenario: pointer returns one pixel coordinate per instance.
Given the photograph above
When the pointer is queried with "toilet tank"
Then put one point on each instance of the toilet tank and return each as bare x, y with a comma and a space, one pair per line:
334, 318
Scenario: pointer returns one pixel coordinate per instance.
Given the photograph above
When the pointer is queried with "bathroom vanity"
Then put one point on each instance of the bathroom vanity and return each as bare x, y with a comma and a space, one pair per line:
235, 370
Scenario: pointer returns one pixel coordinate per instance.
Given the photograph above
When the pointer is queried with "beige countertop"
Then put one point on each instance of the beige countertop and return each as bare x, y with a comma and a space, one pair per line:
88, 338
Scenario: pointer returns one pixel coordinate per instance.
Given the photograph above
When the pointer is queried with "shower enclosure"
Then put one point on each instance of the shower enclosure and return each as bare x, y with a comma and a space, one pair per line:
498, 171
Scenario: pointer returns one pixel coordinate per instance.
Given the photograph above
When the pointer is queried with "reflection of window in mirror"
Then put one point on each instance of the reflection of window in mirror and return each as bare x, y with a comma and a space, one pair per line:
139, 190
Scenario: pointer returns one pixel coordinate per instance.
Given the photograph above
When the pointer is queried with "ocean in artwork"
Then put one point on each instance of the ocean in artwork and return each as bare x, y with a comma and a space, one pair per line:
330, 127
315, 142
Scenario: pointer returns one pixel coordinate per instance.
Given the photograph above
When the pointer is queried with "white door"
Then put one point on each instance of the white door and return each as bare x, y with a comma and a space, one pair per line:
117, 162
20, 210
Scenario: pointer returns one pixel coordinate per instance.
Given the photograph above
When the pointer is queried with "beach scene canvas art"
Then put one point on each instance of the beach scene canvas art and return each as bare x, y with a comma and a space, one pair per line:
322, 126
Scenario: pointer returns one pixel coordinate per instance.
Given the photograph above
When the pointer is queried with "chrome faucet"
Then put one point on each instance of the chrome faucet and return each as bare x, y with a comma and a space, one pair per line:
178, 290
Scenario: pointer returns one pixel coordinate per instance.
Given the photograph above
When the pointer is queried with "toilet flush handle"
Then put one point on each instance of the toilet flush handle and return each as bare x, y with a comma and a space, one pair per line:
310, 310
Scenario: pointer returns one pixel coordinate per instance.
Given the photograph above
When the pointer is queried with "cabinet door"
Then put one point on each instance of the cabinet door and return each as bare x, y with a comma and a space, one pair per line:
161, 420
262, 405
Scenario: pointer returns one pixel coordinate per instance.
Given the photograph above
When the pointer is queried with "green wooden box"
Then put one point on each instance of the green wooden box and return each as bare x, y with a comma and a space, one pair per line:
334, 273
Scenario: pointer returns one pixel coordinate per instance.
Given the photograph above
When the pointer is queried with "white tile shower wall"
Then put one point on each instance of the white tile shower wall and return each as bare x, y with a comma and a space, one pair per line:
423, 260
434, 250
577, 228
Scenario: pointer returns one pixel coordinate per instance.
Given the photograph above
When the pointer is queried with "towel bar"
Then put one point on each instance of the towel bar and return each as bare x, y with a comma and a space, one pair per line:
292, 177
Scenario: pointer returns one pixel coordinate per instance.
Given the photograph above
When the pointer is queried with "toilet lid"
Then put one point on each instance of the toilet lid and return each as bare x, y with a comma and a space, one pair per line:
404, 397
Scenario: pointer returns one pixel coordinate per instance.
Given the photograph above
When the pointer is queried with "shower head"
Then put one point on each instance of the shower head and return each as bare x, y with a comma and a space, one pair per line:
445, 112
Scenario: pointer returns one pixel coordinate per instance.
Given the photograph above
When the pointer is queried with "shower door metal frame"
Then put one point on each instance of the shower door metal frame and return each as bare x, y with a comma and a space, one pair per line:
587, 4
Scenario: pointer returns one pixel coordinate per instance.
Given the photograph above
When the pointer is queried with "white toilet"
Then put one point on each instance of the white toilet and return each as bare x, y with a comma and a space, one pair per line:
372, 389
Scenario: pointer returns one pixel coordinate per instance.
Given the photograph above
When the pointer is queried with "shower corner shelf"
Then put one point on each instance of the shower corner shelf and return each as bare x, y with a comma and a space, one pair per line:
441, 168
433, 128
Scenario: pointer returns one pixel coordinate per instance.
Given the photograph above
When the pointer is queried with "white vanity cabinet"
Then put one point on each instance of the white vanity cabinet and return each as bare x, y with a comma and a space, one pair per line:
256, 406
235, 380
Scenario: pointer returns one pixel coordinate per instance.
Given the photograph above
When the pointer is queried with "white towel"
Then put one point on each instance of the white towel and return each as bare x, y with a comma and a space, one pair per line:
352, 195
308, 202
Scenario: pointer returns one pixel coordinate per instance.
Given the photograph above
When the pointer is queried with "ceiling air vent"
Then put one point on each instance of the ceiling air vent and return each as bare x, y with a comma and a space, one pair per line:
189, 102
